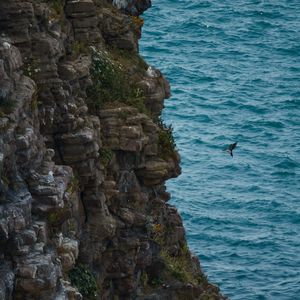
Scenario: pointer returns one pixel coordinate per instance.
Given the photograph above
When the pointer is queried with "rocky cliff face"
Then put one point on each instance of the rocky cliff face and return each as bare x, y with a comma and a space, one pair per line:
84, 158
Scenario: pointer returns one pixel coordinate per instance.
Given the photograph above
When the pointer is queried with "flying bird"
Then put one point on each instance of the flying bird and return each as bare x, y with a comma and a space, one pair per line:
230, 148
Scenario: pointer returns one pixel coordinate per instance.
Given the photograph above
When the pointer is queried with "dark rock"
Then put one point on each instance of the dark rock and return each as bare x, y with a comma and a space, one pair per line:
7, 277
132, 7
82, 186
117, 30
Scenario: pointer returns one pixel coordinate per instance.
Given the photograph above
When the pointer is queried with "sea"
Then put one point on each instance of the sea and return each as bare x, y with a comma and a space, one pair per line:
234, 70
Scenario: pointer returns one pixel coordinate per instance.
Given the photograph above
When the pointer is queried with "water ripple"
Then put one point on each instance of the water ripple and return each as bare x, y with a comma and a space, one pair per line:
234, 69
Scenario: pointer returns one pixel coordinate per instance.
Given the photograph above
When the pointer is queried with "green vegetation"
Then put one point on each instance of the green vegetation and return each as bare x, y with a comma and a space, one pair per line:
6, 106
156, 281
208, 297
157, 234
34, 101
57, 6
178, 266
34, 104
31, 67
166, 142
130, 59
123, 115
77, 48
144, 279
56, 10
57, 216
105, 156
73, 185
185, 249
5, 180
28, 70
85, 282
202, 280
111, 84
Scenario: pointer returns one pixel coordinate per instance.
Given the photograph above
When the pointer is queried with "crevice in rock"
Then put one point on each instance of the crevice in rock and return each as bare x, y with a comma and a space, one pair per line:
84, 207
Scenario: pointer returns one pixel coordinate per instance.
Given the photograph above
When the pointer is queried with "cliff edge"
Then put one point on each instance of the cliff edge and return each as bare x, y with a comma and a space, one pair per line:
84, 156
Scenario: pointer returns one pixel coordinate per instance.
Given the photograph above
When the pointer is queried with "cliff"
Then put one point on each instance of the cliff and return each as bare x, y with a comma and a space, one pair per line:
84, 157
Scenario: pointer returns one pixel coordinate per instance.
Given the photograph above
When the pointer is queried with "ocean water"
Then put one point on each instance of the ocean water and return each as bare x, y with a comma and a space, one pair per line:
234, 69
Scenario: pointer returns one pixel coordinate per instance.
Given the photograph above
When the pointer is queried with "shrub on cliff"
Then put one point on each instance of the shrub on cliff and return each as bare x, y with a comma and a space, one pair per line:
85, 282
166, 142
178, 267
110, 84
106, 156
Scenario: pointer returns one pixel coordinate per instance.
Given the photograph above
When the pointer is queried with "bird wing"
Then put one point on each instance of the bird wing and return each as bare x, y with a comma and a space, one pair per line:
232, 146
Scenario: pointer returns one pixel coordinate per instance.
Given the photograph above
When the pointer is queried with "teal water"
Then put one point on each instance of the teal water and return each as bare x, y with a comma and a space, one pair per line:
234, 68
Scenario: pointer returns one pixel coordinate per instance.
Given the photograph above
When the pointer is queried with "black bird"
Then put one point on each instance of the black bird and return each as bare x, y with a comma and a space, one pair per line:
230, 148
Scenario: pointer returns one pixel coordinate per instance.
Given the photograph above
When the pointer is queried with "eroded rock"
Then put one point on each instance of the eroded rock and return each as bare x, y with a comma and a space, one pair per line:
79, 186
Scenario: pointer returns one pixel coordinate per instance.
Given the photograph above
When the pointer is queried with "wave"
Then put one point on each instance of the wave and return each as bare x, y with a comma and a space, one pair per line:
234, 68
287, 163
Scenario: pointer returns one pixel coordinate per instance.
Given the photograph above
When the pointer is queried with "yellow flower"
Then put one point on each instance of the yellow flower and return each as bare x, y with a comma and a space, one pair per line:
157, 228
137, 20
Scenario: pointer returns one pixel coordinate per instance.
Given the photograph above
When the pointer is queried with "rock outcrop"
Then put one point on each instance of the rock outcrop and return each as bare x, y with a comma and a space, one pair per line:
83, 160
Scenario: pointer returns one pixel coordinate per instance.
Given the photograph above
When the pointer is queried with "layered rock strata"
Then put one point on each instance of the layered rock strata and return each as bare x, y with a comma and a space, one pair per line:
82, 186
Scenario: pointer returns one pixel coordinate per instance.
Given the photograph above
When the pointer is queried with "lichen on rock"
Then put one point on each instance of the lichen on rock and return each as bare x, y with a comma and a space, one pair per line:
84, 159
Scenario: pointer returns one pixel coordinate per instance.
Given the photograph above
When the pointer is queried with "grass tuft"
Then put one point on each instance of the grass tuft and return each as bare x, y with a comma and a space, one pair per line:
84, 280
77, 48
57, 6
105, 156
178, 266
111, 84
73, 185
166, 141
